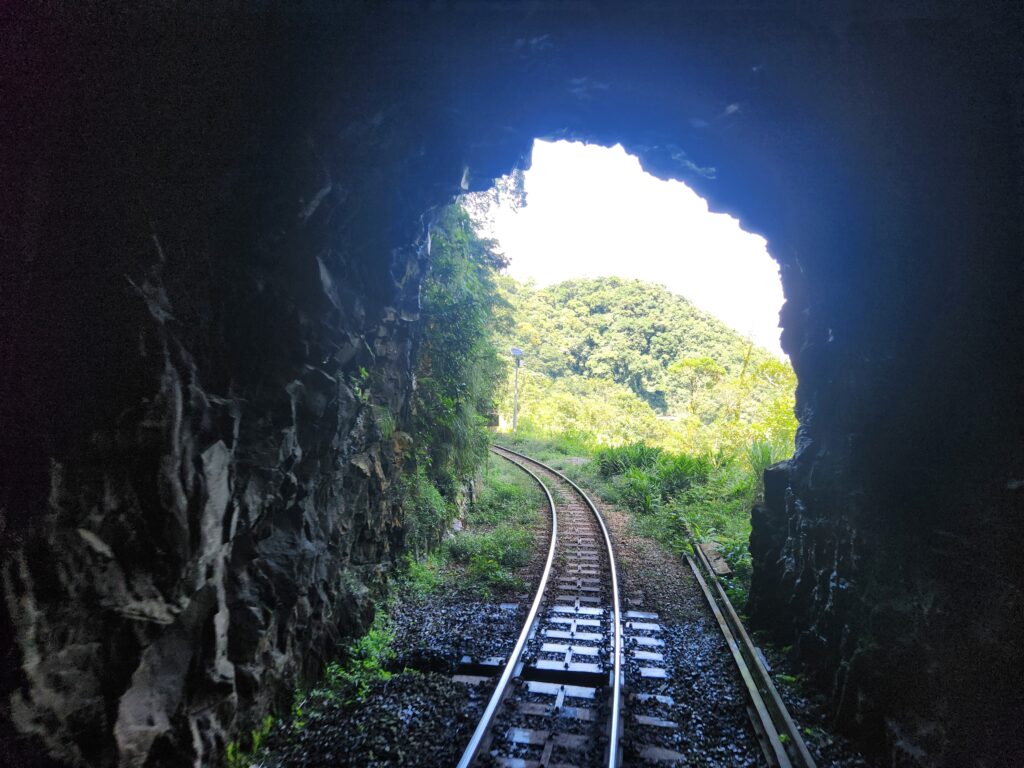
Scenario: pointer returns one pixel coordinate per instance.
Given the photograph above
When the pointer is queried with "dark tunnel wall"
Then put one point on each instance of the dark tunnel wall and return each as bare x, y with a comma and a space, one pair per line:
216, 218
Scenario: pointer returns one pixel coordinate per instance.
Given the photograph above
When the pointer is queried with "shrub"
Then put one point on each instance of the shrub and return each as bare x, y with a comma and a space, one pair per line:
421, 577
574, 442
677, 472
640, 490
761, 454
486, 572
428, 516
508, 546
237, 757
501, 501
367, 660
617, 460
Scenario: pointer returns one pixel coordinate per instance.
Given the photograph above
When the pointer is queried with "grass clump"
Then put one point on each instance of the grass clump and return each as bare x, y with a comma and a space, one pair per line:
639, 490
348, 681
508, 496
491, 557
618, 460
507, 545
495, 542
237, 756
428, 515
422, 576
364, 662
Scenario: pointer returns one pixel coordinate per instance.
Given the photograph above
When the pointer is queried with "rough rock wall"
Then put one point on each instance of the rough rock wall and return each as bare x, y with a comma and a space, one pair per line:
216, 216
887, 553
203, 324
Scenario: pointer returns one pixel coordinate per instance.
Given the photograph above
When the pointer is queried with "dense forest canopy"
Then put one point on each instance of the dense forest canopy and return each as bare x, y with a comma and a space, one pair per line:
624, 360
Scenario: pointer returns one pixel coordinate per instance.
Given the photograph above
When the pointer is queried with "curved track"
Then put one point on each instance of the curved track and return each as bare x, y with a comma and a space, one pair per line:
558, 700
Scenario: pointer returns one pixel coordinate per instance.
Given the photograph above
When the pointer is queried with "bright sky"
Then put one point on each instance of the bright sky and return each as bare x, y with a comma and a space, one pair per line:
592, 212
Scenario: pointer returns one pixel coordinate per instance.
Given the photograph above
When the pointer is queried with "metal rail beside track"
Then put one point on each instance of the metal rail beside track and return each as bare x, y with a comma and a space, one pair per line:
552, 673
525, 722
781, 740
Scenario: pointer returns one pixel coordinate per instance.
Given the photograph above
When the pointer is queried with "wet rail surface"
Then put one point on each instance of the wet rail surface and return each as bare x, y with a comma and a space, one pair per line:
581, 668
557, 702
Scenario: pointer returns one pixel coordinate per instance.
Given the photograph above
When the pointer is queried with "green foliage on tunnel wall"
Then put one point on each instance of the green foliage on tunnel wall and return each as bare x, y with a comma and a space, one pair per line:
456, 374
623, 360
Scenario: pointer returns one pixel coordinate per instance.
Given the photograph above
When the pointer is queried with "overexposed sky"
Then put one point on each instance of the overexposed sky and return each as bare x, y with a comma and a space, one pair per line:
592, 212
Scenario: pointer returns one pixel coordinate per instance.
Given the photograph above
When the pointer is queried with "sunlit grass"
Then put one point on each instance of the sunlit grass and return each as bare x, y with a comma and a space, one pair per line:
671, 496
495, 543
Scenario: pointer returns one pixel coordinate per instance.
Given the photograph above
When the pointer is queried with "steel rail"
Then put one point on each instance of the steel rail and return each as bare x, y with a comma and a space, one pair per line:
484, 726
615, 728
772, 713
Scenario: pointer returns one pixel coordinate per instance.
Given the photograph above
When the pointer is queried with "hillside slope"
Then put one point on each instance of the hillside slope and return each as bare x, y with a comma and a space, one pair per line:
624, 359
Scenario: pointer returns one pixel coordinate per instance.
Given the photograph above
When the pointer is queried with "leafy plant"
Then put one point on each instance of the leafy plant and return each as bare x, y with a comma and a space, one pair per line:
506, 545
761, 454
385, 421
422, 576
456, 371
428, 515
678, 472
639, 490
502, 501
235, 756
366, 660
618, 460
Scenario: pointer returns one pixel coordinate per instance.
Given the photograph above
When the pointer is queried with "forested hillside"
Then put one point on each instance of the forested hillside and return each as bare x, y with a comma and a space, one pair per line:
623, 360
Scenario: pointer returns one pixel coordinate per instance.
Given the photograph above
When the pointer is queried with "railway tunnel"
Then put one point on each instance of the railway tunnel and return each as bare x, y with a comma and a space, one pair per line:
216, 217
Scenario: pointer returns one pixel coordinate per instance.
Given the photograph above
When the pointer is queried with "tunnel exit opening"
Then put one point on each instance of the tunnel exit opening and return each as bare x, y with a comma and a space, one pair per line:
642, 339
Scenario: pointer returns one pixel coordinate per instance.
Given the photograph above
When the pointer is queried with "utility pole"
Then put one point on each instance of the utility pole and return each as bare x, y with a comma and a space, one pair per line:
517, 355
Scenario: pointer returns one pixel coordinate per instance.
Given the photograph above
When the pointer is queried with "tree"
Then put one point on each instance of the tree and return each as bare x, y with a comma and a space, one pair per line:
621, 358
697, 374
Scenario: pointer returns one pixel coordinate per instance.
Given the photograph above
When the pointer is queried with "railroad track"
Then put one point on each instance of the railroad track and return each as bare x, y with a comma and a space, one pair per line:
561, 698
557, 701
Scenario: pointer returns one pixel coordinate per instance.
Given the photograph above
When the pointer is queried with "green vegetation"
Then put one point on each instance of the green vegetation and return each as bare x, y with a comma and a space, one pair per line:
497, 541
490, 555
708, 495
674, 415
366, 660
347, 682
620, 361
455, 378
669, 494
363, 662
235, 756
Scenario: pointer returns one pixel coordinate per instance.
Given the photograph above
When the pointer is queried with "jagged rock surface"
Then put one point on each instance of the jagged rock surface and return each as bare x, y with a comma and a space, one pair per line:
218, 235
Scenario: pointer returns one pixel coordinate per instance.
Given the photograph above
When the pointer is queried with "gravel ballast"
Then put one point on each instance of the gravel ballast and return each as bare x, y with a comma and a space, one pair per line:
421, 717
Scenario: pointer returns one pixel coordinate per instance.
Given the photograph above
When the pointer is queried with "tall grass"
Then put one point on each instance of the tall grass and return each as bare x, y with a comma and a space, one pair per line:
761, 454
503, 500
619, 459
494, 544
648, 477
639, 490
506, 545
675, 495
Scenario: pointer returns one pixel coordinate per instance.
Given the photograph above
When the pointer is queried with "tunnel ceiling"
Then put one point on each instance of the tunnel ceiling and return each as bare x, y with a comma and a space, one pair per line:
219, 215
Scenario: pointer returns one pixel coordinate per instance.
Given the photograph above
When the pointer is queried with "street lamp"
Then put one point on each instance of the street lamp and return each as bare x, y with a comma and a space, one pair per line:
517, 355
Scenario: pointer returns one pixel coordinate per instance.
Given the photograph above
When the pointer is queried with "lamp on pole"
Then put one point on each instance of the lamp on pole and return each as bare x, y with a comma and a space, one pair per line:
517, 355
